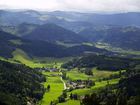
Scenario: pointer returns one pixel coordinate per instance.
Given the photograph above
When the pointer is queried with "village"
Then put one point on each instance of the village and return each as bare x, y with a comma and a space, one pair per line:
79, 84
69, 84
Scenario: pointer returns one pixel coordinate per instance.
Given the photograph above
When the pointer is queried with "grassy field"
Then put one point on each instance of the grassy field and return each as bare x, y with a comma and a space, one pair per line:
57, 85
75, 75
70, 102
55, 90
53, 79
22, 57
98, 85
16, 42
97, 74
116, 49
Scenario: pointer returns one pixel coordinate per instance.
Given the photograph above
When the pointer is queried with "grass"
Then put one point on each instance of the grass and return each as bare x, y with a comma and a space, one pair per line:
70, 102
57, 85
75, 75
16, 42
55, 90
116, 49
22, 57
97, 74
102, 73
88, 44
55, 81
98, 85
52, 62
67, 44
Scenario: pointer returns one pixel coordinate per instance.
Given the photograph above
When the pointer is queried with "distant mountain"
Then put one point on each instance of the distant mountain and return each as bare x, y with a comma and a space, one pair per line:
122, 19
37, 17
127, 37
123, 37
19, 30
53, 33
15, 18
99, 19
36, 48
10, 43
106, 28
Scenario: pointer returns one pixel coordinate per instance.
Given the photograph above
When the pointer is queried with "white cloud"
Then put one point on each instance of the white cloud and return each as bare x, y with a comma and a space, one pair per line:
74, 5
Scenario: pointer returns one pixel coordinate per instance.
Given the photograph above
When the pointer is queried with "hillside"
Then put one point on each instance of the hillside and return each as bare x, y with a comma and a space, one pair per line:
36, 48
20, 84
69, 27
38, 17
53, 33
6, 46
102, 62
123, 37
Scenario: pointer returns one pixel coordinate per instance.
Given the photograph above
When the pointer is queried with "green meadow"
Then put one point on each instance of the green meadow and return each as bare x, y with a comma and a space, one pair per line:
56, 88
21, 57
98, 85
54, 80
57, 85
70, 102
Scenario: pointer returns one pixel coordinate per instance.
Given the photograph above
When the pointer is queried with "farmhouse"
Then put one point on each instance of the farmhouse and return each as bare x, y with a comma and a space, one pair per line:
79, 84
48, 69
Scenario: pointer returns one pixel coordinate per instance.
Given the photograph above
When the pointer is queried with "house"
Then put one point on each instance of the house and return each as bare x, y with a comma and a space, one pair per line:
79, 84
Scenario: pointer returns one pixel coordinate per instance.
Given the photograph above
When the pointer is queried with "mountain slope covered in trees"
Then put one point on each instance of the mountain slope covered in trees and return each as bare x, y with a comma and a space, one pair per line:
37, 48
53, 33
123, 37
20, 84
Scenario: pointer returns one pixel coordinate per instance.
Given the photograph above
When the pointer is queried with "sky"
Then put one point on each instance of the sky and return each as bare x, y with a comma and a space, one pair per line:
74, 5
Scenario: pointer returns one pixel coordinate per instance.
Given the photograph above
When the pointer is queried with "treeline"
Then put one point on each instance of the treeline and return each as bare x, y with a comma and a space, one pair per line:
126, 92
9, 44
102, 62
19, 84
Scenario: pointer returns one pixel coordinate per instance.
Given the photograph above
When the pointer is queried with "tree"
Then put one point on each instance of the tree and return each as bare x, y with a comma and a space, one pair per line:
48, 87
71, 96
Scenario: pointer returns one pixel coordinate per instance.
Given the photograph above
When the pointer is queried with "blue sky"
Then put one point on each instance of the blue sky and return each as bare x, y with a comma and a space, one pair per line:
74, 5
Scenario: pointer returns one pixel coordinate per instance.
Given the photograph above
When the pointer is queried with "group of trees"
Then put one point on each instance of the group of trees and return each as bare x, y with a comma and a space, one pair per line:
101, 62
127, 91
20, 84
9, 44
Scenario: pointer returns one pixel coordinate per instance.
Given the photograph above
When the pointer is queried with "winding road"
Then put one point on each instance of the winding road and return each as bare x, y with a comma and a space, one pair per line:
65, 87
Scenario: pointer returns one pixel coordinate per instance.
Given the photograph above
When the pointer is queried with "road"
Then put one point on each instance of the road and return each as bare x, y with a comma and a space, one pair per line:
65, 87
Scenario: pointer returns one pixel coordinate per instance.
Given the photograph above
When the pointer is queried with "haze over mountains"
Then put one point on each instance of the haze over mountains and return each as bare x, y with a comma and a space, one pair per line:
38, 17
63, 29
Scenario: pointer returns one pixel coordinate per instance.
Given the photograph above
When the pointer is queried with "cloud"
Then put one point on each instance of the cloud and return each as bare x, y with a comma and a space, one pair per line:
75, 5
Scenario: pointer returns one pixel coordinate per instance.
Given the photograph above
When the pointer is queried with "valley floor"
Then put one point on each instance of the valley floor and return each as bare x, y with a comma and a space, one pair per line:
57, 85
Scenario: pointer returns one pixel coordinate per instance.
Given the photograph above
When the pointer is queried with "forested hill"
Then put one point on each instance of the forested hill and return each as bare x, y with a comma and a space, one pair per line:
122, 37
126, 92
31, 16
102, 62
53, 33
19, 84
36, 48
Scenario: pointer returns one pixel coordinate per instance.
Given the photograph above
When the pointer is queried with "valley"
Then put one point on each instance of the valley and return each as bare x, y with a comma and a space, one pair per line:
56, 84
59, 58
